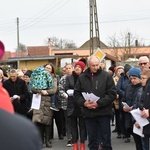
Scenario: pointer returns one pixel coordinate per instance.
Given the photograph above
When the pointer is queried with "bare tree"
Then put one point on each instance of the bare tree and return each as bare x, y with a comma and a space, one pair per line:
61, 43
124, 42
22, 48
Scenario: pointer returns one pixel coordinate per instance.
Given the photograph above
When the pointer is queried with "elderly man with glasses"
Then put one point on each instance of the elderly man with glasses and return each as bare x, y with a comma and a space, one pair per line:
144, 63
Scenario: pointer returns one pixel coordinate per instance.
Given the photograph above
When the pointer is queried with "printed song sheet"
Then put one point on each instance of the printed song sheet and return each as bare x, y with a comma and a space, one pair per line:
36, 101
90, 96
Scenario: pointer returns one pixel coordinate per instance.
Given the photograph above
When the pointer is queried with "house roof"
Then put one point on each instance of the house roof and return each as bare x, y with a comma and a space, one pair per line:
120, 52
45, 52
41, 57
87, 44
39, 50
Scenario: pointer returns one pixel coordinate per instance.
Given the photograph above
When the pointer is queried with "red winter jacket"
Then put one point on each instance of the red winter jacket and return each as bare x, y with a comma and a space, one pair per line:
5, 102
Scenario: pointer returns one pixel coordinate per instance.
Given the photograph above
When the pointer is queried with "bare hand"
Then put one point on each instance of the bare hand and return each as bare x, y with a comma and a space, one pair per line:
18, 98
90, 104
11, 98
44, 92
127, 109
137, 125
145, 113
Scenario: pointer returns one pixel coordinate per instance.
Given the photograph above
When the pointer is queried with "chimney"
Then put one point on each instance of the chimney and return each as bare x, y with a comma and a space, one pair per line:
136, 43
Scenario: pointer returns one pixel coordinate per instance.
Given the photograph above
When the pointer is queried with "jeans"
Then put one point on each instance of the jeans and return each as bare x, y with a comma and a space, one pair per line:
147, 142
99, 132
68, 126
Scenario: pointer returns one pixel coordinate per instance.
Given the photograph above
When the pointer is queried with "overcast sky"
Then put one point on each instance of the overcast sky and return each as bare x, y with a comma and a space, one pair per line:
69, 19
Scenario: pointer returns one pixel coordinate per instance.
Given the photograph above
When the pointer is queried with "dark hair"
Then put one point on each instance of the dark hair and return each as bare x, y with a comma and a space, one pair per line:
83, 60
53, 69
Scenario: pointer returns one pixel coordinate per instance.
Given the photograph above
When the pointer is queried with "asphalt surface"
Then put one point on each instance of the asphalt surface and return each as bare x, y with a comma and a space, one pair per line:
117, 144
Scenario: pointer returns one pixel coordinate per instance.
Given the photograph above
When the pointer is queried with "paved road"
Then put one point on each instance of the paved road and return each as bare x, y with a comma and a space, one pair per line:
117, 144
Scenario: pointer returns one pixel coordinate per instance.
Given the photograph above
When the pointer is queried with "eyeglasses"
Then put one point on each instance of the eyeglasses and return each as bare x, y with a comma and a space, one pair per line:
145, 63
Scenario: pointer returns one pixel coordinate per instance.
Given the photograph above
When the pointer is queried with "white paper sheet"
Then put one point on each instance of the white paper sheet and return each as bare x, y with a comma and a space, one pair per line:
90, 96
36, 101
70, 92
137, 116
138, 131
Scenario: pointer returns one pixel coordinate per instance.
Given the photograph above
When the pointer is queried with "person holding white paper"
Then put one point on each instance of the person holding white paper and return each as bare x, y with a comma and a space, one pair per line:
145, 104
78, 128
121, 86
43, 116
97, 114
18, 92
132, 97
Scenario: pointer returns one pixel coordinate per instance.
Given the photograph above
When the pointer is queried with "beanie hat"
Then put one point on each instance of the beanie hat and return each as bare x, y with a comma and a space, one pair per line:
127, 67
135, 72
118, 67
2, 49
112, 68
28, 73
81, 64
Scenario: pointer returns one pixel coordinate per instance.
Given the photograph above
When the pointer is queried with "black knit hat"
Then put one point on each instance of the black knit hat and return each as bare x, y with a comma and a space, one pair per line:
127, 67
28, 73
112, 68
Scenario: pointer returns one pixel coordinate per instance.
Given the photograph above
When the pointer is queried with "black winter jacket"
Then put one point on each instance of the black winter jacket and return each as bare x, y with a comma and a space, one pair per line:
146, 105
73, 109
102, 85
18, 87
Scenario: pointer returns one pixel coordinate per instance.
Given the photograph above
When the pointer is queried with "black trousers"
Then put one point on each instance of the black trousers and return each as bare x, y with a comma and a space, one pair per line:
137, 139
117, 116
78, 129
58, 116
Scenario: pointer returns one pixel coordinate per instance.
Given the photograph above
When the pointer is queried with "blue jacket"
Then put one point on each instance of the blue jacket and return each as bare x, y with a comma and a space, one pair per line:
132, 97
122, 84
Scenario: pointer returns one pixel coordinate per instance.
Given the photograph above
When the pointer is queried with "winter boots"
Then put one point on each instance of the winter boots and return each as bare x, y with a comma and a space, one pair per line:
82, 146
75, 146
47, 137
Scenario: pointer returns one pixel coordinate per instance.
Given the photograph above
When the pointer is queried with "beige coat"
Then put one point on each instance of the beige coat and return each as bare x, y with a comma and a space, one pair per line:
116, 101
44, 114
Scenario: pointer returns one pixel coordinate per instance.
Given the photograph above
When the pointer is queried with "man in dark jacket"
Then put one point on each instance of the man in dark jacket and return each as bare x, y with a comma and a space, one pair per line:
14, 129
18, 92
97, 114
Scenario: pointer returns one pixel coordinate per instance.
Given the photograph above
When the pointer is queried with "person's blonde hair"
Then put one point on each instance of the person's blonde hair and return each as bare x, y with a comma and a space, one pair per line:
146, 72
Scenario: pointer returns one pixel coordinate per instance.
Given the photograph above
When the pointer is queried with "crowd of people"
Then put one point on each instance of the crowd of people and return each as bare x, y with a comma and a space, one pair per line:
132, 87
63, 101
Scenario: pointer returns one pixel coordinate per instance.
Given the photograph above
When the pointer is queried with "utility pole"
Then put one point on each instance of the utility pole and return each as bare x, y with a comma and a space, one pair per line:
18, 47
93, 8
129, 42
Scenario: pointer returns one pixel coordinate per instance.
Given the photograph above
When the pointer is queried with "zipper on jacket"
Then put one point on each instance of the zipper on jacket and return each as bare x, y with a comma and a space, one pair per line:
92, 77
96, 84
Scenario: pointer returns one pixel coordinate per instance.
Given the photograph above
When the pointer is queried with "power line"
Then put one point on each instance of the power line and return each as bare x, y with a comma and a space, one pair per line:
40, 19
55, 6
